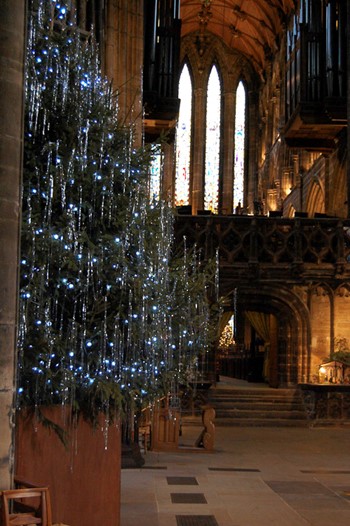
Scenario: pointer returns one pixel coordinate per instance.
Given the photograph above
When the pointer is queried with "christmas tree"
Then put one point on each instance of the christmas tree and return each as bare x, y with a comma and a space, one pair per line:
108, 318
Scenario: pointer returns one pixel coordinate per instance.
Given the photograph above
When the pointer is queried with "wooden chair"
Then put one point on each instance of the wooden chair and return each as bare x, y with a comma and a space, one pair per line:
144, 429
26, 507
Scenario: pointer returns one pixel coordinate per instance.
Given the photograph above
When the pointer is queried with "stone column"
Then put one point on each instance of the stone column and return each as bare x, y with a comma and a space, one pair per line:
228, 154
12, 30
197, 192
348, 111
253, 132
168, 181
123, 58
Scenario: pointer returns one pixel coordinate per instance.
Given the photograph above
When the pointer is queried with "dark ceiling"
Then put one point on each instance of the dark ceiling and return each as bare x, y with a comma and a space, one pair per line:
251, 27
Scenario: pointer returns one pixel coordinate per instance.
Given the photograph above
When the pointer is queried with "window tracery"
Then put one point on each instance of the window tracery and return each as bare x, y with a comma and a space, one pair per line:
239, 157
212, 142
183, 140
206, 175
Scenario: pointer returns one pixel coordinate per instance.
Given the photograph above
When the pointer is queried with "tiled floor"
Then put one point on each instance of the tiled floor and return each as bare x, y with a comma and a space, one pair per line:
255, 477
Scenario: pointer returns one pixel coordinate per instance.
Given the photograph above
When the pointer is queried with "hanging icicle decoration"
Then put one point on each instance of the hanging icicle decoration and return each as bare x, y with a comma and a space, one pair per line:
108, 319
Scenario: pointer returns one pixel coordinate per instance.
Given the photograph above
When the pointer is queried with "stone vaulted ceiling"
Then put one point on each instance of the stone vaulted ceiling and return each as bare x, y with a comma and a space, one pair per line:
251, 27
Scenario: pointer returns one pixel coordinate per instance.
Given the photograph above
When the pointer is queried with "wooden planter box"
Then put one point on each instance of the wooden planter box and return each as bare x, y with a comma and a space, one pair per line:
83, 478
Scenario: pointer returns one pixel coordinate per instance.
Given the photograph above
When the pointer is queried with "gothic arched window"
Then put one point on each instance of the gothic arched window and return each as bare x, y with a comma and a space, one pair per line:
212, 142
155, 175
200, 136
239, 156
183, 140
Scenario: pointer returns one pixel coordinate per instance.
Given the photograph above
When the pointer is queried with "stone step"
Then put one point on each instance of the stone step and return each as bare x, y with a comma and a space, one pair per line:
260, 422
255, 391
246, 422
257, 413
257, 407
254, 400
253, 396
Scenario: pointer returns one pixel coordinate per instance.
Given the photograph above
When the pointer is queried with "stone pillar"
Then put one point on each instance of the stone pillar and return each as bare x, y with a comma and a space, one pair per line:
253, 131
197, 192
124, 58
228, 154
168, 182
12, 30
348, 111
273, 352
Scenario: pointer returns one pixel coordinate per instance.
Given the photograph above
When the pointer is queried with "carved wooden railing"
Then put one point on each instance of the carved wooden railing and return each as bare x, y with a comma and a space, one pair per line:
257, 247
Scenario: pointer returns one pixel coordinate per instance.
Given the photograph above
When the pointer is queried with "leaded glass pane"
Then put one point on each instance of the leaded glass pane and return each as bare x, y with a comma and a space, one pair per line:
155, 177
212, 143
183, 140
238, 183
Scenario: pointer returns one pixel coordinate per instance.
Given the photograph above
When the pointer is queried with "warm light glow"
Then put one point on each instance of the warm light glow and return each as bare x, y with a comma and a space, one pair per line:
212, 143
239, 158
183, 140
155, 177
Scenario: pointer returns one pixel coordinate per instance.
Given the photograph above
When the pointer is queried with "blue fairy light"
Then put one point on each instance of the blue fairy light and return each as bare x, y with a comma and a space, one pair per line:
108, 262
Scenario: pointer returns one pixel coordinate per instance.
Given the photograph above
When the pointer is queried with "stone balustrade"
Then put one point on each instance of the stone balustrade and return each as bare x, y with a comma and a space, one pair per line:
262, 248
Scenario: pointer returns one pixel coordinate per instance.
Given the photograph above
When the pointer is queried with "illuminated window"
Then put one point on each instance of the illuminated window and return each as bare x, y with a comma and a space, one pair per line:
155, 177
183, 140
212, 143
189, 186
238, 183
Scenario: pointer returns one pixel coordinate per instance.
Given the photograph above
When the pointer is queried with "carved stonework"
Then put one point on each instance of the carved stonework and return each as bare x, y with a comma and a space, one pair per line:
321, 407
335, 406
343, 291
327, 403
346, 406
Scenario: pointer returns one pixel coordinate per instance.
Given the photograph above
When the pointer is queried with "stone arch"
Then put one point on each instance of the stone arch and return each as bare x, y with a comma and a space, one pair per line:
290, 212
338, 197
232, 67
316, 197
341, 317
294, 328
321, 307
